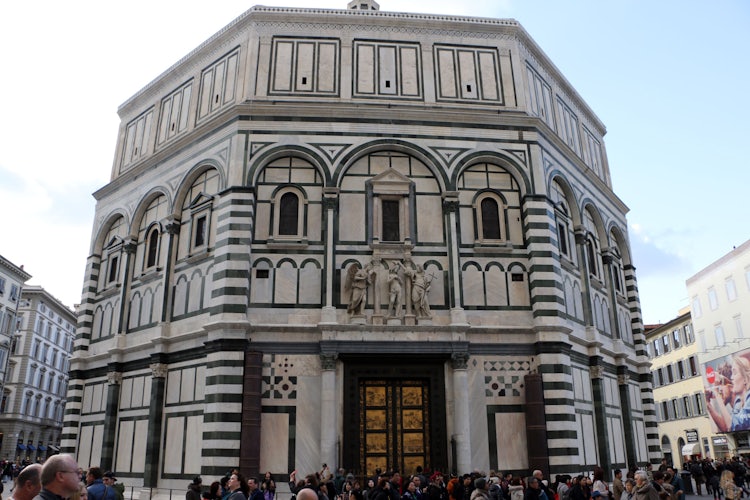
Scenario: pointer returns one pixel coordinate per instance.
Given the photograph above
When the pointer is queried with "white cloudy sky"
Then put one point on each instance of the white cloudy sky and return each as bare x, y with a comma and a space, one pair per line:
670, 79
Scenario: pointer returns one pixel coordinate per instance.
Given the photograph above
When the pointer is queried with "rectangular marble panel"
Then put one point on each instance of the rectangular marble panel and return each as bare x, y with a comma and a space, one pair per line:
282, 74
587, 429
96, 451
274, 441
138, 398
387, 70
467, 74
507, 81
473, 286
430, 219
409, 71
327, 67
173, 443
184, 108
205, 104
230, 83
351, 217
260, 289
639, 430
86, 437
124, 445
314, 220
488, 76
187, 386
497, 293
511, 439
285, 287
126, 394
194, 443
139, 446
446, 73
304, 175
305, 61
200, 383
309, 286
365, 69
173, 386
218, 85
307, 453
262, 221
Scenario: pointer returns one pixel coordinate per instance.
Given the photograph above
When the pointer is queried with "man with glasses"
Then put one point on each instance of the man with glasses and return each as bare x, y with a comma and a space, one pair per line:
59, 478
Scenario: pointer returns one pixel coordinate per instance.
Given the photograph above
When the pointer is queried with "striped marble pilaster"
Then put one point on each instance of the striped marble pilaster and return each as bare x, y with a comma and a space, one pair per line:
545, 279
88, 300
231, 277
72, 417
222, 411
114, 382
557, 382
644, 372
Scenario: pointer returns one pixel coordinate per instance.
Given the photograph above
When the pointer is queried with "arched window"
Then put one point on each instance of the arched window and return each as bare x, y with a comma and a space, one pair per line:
152, 247
490, 219
289, 214
489, 213
591, 257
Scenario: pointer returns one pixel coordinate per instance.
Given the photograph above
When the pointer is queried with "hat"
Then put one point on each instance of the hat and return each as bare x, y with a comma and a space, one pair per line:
197, 480
110, 475
596, 494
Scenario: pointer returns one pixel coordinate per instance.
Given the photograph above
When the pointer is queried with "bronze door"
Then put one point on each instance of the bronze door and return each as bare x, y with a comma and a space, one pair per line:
394, 425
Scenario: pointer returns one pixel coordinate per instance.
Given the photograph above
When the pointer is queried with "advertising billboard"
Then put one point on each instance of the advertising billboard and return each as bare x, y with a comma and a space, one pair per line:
727, 384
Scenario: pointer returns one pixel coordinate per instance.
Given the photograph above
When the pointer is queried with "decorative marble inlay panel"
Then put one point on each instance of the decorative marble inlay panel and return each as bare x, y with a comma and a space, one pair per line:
278, 381
504, 378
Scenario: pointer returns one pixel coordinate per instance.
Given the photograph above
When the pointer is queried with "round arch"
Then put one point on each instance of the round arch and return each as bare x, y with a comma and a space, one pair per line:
189, 178
104, 228
496, 158
558, 177
432, 162
259, 163
146, 200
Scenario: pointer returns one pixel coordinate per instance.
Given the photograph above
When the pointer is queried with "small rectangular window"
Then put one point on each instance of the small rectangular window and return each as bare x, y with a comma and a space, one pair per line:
200, 231
517, 277
676, 338
113, 264
261, 273
665, 343
391, 229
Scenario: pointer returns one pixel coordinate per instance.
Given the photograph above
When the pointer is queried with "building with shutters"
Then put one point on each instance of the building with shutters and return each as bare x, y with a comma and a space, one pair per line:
360, 238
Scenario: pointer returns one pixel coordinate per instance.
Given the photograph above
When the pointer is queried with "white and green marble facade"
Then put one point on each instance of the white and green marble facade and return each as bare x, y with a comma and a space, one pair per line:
209, 340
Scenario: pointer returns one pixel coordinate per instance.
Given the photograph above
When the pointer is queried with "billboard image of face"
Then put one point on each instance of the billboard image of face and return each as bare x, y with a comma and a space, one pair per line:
727, 388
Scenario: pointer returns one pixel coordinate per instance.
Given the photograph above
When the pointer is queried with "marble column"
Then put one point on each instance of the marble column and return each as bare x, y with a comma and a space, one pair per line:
328, 420
626, 411
600, 416
129, 251
461, 420
580, 235
172, 232
450, 208
330, 205
611, 265
114, 381
155, 418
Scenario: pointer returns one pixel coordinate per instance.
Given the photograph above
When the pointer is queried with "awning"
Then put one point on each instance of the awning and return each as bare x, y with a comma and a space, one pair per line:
31, 447
42, 447
21, 446
54, 448
691, 449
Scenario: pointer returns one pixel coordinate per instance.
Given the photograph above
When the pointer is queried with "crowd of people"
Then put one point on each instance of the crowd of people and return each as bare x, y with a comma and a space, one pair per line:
59, 477
724, 479
636, 485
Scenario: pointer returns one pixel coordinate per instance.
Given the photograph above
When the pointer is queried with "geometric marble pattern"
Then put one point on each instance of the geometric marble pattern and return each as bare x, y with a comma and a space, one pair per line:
277, 383
504, 379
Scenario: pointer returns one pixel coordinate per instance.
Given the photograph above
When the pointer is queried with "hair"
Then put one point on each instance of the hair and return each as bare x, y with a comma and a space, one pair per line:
657, 475
53, 465
617, 471
726, 477
31, 473
743, 367
598, 474
243, 484
382, 482
642, 474
215, 488
96, 472
516, 481
630, 481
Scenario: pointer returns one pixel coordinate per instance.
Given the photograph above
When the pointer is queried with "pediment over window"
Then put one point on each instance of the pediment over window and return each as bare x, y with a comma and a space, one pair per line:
201, 200
114, 242
390, 182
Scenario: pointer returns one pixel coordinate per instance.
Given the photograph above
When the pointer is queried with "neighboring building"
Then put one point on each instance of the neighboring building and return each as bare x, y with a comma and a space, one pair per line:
684, 427
720, 303
365, 239
34, 394
12, 279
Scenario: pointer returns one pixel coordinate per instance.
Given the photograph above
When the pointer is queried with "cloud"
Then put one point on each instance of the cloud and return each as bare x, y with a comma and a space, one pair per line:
652, 260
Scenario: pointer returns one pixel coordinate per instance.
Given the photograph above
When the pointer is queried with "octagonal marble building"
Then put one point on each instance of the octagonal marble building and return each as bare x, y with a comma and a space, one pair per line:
360, 238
